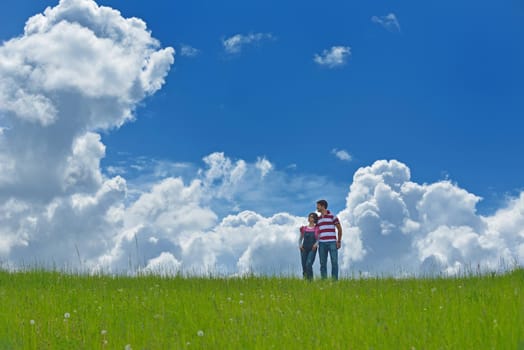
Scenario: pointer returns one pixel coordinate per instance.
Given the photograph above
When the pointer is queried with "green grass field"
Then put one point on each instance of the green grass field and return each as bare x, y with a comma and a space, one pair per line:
51, 310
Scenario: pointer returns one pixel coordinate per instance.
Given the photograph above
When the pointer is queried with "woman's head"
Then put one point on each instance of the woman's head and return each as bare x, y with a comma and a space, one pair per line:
312, 217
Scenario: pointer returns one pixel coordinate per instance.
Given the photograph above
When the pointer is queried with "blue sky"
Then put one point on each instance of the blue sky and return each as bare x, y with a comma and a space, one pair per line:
442, 93
437, 86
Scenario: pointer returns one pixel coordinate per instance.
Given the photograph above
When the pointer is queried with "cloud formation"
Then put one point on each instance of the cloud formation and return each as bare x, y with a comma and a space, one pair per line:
223, 216
336, 56
421, 228
77, 69
341, 154
389, 22
188, 51
235, 43
264, 166
392, 226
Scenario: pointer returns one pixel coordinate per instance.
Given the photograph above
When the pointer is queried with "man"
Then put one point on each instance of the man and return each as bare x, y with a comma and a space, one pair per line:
329, 239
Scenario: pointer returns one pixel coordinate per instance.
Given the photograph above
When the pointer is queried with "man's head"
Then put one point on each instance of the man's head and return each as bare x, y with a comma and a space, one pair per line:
322, 205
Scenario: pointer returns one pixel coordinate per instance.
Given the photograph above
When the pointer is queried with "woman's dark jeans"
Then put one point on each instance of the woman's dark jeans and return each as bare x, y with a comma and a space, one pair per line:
308, 258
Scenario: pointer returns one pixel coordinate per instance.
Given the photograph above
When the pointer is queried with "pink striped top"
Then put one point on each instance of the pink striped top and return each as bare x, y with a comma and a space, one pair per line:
315, 229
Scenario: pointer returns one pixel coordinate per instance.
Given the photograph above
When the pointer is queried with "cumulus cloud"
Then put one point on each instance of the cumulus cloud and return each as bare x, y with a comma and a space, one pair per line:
163, 265
402, 226
341, 154
336, 56
76, 70
235, 43
392, 226
389, 21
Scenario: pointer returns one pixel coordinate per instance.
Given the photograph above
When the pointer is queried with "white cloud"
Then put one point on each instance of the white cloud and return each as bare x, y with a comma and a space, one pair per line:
188, 51
233, 186
77, 69
335, 57
264, 166
82, 168
341, 154
389, 21
235, 43
402, 225
163, 265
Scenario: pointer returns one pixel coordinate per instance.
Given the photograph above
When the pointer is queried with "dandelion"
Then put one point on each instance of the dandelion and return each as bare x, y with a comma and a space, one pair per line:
32, 322
67, 315
127, 347
241, 302
103, 332
200, 333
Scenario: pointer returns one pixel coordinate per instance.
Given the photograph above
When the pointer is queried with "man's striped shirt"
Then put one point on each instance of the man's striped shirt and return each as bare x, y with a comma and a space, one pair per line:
326, 225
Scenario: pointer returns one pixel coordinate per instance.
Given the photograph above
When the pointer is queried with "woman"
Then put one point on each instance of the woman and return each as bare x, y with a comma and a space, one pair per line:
308, 243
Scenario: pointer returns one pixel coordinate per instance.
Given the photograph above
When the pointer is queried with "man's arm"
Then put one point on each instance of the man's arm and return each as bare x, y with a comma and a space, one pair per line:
339, 230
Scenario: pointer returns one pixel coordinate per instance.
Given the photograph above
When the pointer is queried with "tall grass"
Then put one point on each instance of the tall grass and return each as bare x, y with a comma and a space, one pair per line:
51, 310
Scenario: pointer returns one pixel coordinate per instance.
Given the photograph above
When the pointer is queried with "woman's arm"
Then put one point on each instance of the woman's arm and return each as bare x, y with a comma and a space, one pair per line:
301, 237
317, 233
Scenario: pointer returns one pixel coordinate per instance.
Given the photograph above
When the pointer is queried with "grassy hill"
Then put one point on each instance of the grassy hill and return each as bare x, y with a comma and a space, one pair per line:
50, 310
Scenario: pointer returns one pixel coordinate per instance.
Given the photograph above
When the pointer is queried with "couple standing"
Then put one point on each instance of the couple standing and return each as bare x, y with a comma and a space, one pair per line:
321, 234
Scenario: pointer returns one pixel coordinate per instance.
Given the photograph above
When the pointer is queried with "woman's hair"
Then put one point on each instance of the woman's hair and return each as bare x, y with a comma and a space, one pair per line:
314, 215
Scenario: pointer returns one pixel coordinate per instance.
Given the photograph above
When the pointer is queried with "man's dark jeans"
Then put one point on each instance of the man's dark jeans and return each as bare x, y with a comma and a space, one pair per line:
323, 249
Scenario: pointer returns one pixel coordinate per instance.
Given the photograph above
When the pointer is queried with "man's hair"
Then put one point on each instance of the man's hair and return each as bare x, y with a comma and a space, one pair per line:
323, 203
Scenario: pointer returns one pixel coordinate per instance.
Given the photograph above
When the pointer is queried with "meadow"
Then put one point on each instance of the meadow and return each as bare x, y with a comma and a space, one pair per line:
54, 310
